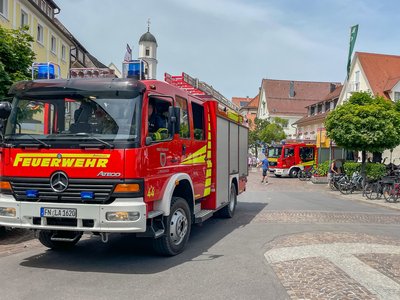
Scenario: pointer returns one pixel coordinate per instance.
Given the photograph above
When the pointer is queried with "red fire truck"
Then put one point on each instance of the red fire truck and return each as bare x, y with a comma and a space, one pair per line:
289, 159
78, 155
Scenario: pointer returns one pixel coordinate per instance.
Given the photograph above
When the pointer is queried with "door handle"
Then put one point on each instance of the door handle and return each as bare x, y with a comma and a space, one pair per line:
183, 149
174, 160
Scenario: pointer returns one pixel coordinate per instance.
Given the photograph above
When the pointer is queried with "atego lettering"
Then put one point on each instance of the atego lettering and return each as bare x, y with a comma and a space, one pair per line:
68, 160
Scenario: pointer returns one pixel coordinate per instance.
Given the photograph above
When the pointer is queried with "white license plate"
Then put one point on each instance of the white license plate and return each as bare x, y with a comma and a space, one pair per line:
58, 212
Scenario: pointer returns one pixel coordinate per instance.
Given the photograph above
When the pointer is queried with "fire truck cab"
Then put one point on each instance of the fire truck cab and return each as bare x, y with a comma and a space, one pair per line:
81, 155
291, 158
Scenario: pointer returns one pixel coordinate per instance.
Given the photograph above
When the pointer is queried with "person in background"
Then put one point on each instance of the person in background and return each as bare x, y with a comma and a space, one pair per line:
265, 166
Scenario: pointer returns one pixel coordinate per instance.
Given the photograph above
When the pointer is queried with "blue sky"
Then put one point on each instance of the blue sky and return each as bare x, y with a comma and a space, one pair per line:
234, 44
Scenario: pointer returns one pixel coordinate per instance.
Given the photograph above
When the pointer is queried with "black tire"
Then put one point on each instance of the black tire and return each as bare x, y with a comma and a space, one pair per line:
293, 173
302, 175
345, 188
368, 190
45, 239
177, 225
229, 210
388, 189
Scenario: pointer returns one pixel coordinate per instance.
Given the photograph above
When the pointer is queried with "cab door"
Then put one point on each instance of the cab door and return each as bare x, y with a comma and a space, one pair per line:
162, 153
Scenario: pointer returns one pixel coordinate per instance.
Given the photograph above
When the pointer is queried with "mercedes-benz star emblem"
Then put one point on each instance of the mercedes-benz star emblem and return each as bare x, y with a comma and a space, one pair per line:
59, 182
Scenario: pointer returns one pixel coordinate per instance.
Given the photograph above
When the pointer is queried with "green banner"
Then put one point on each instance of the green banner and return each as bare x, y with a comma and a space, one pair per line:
353, 36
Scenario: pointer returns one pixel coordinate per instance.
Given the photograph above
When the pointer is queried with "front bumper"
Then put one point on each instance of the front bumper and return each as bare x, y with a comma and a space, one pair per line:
282, 172
90, 217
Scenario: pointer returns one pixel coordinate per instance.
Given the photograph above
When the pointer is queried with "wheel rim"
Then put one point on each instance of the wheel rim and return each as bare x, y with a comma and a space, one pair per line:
178, 226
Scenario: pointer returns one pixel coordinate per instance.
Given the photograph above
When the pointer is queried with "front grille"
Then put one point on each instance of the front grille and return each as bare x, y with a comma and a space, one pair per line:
102, 190
273, 163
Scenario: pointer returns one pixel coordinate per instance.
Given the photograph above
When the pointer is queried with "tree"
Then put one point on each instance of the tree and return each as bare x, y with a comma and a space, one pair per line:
365, 123
16, 56
265, 132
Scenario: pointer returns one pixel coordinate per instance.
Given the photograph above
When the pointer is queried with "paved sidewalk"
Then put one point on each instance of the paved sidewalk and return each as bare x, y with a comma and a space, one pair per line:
357, 196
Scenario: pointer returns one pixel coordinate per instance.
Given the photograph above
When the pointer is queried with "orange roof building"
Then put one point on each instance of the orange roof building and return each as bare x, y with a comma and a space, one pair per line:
376, 73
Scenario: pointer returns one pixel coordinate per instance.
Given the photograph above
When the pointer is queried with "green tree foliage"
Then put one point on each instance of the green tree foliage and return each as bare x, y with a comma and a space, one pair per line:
16, 56
365, 123
265, 132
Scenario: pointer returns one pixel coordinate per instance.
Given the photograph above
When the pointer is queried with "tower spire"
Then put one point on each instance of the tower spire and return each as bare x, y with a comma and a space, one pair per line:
148, 25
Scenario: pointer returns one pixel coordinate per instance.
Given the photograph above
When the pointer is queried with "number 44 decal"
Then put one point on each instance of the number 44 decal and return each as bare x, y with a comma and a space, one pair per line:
150, 192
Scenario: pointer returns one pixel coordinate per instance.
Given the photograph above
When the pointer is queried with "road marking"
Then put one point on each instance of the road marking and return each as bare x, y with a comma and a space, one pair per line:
342, 255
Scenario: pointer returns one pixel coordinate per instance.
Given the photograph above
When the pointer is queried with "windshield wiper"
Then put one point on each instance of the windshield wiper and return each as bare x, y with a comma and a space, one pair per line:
41, 143
103, 143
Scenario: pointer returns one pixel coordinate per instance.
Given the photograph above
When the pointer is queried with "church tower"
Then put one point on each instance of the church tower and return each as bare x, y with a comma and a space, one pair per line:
148, 52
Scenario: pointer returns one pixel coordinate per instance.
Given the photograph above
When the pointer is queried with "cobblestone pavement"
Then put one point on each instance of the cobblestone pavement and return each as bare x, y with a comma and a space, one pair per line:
328, 265
332, 265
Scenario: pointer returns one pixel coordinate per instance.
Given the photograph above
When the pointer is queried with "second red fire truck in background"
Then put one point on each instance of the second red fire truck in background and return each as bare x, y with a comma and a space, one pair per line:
288, 159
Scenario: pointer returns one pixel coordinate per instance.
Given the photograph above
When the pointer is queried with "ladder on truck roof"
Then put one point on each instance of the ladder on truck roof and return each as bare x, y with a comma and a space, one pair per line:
199, 88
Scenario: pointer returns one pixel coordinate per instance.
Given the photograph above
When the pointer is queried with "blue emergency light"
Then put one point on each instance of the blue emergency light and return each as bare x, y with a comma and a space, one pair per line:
32, 193
46, 71
136, 69
87, 195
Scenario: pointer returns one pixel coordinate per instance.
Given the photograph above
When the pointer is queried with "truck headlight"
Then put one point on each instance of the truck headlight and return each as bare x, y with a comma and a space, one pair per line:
122, 216
8, 212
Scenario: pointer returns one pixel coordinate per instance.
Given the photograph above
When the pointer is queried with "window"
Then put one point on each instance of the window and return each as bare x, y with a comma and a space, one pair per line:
40, 33
4, 7
147, 52
357, 81
327, 106
184, 131
53, 44
396, 96
198, 121
158, 122
306, 154
63, 52
24, 18
289, 152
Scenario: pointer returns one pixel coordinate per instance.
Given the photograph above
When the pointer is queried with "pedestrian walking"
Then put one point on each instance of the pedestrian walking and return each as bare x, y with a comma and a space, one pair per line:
265, 166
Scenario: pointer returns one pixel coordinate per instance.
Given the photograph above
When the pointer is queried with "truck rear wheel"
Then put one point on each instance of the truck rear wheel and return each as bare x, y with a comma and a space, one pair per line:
46, 237
178, 225
229, 210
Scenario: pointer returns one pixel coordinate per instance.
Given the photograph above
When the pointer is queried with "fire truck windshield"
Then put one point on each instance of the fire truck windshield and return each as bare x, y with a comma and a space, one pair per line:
73, 120
275, 152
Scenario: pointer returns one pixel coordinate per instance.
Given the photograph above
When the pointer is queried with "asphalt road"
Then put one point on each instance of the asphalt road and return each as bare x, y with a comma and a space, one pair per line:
288, 240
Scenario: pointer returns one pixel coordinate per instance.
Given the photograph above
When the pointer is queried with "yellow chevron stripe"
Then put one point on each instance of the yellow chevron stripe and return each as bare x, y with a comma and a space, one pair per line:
207, 191
199, 152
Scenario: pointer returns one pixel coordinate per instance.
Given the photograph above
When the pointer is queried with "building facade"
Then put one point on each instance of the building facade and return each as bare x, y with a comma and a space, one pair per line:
50, 42
378, 74
288, 100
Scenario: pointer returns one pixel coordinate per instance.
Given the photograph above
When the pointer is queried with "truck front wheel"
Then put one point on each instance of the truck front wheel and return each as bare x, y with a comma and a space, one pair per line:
178, 225
294, 173
59, 240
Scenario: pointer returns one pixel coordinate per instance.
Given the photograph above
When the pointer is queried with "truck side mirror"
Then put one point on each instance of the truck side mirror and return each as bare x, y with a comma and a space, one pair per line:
174, 119
5, 109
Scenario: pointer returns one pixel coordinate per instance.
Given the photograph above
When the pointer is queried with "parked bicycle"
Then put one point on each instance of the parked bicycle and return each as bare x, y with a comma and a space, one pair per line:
355, 183
379, 188
336, 180
307, 173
